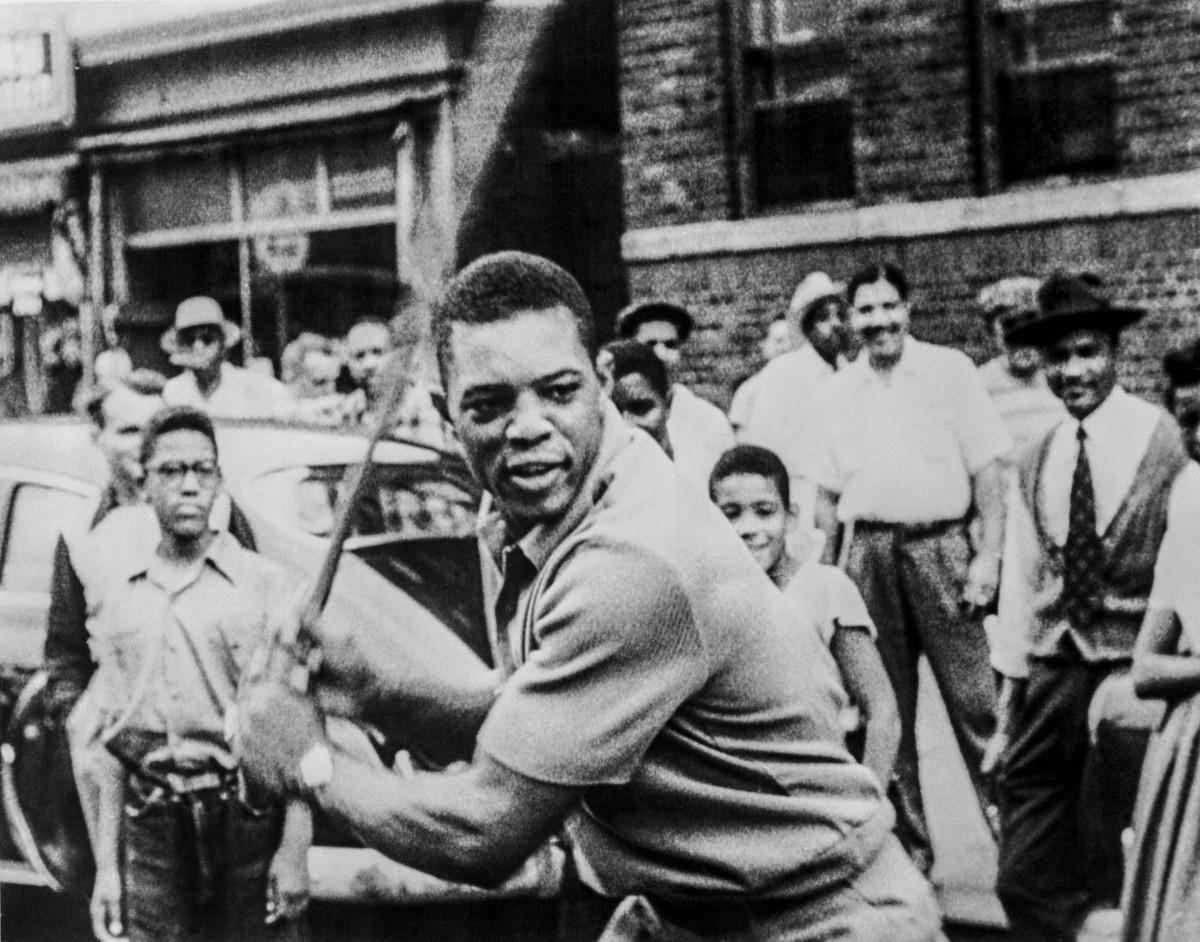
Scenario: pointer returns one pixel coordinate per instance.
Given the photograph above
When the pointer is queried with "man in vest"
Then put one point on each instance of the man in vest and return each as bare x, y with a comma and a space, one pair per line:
1081, 538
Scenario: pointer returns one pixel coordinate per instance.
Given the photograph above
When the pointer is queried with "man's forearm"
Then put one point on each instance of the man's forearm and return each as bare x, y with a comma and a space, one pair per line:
988, 493
466, 827
825, 518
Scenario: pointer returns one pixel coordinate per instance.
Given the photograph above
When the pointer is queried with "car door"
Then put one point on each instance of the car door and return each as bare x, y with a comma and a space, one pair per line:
35, 507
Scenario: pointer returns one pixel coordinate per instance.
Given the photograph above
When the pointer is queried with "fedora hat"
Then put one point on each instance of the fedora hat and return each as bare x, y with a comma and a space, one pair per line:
632, 316
1071, 302
199, 311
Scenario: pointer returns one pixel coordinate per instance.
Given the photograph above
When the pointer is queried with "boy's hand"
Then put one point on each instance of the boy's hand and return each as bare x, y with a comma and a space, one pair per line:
287, 882
106, 905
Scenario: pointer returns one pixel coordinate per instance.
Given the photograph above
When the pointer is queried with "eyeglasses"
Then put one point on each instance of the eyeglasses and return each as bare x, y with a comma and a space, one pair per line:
174, 473
206, 336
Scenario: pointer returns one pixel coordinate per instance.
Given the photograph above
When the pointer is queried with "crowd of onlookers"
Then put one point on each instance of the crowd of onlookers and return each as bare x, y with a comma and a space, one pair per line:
324, 381
1027, 526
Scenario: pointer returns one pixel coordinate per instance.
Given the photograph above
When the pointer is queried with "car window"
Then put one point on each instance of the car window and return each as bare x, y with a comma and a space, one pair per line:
410, 501
36, 517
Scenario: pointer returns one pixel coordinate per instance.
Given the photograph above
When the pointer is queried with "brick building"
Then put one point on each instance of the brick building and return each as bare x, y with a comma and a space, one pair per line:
964, 139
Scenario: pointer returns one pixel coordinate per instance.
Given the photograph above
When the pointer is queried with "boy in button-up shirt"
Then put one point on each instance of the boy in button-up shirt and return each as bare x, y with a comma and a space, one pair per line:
181, 852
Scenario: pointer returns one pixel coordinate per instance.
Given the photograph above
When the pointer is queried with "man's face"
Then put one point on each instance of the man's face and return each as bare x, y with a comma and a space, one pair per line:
641, 406
526, 405
663, 338
366, 347
124, 413
201, 348
319, 376
1081, 368
880, 319
826, 330
182, 478
1023, 360
777, 340
1186, 409
751, 502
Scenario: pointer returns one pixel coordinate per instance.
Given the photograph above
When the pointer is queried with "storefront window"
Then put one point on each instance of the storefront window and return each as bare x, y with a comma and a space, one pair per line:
288, 234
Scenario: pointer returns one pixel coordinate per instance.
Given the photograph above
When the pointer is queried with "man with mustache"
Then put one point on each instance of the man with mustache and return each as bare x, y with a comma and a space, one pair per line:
906, 445
655, 693
1081, 541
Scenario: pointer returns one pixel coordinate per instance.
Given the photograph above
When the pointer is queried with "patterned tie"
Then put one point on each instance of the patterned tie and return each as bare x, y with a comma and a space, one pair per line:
1083, 552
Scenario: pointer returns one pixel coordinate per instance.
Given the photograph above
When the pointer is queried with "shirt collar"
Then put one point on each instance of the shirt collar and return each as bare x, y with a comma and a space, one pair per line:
220, 555
1106, 421
540, 542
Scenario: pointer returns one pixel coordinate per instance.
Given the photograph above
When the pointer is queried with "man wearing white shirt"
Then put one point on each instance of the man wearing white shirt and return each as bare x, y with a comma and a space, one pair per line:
780, 416
905, 444
698, 430
198, 342
1083, 529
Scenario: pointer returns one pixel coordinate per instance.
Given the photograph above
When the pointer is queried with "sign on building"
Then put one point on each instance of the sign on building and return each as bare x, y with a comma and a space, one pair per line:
37, 81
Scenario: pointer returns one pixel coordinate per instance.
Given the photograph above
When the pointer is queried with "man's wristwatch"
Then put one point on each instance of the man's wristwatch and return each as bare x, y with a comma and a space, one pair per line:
316, 767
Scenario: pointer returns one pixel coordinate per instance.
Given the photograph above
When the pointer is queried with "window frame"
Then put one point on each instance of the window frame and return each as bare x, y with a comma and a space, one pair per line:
829, 90
1001, 68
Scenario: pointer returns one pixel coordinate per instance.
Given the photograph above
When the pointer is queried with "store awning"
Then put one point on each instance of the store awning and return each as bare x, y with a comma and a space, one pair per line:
27, 186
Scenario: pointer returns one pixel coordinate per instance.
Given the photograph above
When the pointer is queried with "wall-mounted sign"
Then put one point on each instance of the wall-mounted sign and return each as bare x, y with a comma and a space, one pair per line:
37, 80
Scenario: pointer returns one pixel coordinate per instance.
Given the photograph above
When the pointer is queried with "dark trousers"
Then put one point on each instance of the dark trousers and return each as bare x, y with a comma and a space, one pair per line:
1064, 801
912, 580
168, 859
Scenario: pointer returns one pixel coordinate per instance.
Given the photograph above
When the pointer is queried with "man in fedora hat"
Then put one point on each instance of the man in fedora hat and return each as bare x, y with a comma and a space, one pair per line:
698, 430
198, 342
1083, 530
906, 453
780, 417
1014, 378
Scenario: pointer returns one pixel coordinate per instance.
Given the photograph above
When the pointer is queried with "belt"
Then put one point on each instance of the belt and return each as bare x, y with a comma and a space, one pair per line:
909, 531
715, 919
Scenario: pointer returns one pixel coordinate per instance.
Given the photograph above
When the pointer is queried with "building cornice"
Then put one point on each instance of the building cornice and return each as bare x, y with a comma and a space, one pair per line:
1145, 196
171, 38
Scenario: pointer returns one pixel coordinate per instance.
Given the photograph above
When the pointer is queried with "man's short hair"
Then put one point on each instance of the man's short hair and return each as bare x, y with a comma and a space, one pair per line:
496, 287
751, 459
633, 356
295, 355
143, 382
878, 271
175, 419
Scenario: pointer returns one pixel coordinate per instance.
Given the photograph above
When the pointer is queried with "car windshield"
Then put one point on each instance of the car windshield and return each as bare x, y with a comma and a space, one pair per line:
414, 525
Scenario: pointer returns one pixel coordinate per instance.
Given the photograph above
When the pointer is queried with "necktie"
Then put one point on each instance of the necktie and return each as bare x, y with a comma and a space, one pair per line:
1083, 552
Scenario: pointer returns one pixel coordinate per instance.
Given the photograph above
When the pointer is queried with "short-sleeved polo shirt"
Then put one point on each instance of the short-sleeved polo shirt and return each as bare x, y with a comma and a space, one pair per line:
657, 667
903, 447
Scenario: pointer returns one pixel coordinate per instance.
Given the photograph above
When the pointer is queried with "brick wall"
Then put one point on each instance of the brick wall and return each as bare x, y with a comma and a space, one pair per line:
1152, 262
911, 83
1158, 83
673, 110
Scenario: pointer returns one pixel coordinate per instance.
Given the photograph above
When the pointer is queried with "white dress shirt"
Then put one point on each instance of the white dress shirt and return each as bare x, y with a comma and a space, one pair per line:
699, 434
904, 446
241, 394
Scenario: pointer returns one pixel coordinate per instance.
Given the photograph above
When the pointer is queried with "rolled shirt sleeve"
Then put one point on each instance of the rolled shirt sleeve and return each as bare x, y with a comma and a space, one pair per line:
981, 430
615, 651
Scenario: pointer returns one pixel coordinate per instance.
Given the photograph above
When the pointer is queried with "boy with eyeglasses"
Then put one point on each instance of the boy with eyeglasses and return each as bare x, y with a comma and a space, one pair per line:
182, 849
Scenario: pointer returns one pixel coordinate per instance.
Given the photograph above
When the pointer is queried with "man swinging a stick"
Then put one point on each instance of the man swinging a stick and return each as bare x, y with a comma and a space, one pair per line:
651, 697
